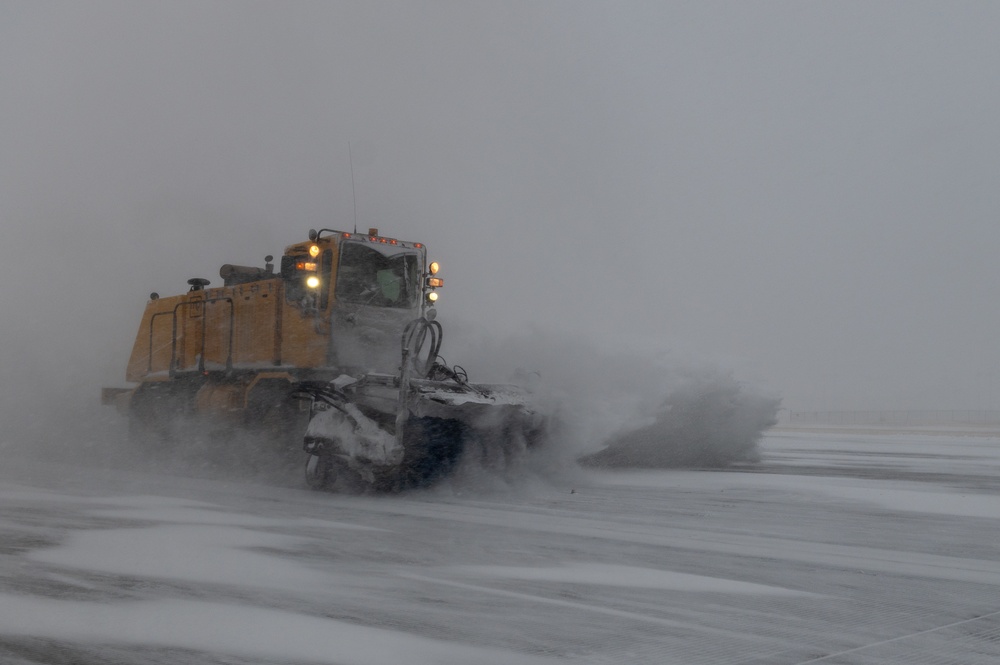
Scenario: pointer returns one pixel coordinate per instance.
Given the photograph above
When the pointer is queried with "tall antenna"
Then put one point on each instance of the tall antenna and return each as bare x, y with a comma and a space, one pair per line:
354, 197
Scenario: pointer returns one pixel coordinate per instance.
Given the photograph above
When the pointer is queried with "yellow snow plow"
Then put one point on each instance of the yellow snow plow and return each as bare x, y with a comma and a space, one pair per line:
337, 348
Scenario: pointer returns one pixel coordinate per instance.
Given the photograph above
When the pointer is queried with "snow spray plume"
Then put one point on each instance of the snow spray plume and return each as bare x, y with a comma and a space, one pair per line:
708, 421
612, 407
78, 430
499, 450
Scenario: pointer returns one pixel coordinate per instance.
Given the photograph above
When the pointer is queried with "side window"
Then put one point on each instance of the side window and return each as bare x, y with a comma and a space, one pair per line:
295, 270
294, 288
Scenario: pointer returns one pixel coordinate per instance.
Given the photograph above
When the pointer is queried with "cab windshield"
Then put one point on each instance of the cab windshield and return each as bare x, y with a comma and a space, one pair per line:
368, 277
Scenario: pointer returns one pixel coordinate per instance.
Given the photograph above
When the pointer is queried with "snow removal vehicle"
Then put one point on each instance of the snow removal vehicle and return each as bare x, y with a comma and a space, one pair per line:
337, 350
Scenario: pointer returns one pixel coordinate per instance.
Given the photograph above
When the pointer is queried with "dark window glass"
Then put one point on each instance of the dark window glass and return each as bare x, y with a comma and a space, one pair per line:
367, 277
293, 271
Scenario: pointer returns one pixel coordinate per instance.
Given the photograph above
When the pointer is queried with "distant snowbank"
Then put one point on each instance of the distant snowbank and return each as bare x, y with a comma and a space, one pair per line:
928, 430
898, 418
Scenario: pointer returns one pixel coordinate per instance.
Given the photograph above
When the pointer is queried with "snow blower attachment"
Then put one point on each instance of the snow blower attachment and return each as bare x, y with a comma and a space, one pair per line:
391, 432
341, 347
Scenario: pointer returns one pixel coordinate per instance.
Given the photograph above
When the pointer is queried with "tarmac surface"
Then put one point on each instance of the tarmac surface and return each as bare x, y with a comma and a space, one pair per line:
860, 547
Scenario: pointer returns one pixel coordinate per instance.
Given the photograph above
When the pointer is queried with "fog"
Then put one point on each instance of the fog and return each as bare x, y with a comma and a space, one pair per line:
799, 196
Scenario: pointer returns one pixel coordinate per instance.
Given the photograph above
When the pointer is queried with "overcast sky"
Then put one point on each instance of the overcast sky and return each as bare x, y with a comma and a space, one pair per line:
806, 193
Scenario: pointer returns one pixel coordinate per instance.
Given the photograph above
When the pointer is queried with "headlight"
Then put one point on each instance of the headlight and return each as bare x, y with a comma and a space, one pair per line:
432, 296
314, 251
434, 267
312, 281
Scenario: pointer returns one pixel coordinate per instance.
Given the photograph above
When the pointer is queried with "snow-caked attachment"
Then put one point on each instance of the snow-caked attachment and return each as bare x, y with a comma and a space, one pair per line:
392, 432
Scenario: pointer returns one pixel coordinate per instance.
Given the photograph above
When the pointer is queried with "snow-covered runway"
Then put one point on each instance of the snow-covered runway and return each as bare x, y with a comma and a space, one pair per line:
844, 547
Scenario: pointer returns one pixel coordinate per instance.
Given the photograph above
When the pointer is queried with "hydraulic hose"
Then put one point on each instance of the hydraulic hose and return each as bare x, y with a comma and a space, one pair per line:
416, 335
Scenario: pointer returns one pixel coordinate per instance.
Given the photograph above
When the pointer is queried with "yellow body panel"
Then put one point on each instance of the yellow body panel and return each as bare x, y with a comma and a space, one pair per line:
251, 339
220, 398
250, 325
151, 351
